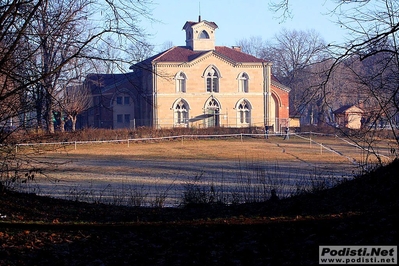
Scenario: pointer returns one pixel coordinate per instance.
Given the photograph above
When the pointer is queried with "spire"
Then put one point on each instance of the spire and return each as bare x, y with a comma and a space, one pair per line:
199, 11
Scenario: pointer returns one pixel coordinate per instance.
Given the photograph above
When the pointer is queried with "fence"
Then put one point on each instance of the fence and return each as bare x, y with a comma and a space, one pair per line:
247, 182
262, 134
187, 137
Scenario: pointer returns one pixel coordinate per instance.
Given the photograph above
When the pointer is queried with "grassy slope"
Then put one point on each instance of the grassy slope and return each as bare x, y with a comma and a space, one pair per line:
44, 231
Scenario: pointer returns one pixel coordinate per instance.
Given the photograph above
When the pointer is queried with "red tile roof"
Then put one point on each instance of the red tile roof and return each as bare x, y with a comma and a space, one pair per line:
185, 54
178, 54
237, 56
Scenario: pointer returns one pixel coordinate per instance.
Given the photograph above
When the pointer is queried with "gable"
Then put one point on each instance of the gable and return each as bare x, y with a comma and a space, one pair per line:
193, 24
183, 54
348, 109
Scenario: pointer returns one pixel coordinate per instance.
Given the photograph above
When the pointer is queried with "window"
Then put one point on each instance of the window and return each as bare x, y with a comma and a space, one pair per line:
119, 118
212, 109
181, 112
204, 35
127, 118
244, 112
181, 82
119, 100
243, 82
212, 80
126, 100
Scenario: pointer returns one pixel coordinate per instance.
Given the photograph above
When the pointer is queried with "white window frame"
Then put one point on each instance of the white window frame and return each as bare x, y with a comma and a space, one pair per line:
243, 82
244, 111
181, 113
181, 82
212, 80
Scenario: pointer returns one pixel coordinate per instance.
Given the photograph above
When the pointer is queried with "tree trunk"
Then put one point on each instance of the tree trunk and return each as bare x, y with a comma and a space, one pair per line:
50, 121
62, 123
73, 120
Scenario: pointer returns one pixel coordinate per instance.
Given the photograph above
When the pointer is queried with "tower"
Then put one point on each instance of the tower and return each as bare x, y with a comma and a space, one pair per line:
200, 36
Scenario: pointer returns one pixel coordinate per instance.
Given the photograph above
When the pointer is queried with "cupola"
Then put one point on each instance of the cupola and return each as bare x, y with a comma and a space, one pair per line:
200, 36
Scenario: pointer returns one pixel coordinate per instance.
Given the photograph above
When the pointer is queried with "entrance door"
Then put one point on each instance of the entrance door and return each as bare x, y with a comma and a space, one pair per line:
213, 111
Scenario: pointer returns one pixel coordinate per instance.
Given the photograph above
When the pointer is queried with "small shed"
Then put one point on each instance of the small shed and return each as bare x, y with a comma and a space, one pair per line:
295, 121
349, 116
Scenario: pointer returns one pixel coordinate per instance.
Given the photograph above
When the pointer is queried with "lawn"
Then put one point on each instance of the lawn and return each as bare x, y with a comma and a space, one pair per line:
148, 170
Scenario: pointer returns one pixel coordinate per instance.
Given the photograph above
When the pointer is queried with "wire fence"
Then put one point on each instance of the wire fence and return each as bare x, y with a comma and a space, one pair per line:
245, 182
182, 137
303, 135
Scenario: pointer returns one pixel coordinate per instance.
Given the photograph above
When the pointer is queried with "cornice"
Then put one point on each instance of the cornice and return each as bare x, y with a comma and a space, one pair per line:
280, 86
207, 55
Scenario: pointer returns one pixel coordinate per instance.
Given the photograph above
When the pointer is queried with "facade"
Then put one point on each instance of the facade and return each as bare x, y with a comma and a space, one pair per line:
196, 85
349, 116
114, 101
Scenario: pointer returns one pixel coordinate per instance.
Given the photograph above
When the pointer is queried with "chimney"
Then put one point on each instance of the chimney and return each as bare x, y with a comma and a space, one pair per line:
237, 48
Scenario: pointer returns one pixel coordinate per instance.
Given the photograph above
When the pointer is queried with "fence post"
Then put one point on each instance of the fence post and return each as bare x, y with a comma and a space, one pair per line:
75, 145
241, 137
128, 143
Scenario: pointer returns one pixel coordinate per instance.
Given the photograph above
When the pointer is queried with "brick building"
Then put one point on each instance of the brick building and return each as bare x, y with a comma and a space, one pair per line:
196, 85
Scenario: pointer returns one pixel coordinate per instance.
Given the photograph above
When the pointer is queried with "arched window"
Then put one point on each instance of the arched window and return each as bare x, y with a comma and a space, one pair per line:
212, 80
181, 82
204, 35
244, 113
213, 112
181, 113
243, 83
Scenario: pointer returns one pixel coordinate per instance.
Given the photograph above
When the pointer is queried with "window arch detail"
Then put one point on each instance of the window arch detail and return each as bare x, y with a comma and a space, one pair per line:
181, 112
243, 109
243, 82
212, 109
204, 35
212, 76
181, 80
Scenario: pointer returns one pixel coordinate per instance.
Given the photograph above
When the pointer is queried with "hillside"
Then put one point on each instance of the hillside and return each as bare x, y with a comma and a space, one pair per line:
44, 231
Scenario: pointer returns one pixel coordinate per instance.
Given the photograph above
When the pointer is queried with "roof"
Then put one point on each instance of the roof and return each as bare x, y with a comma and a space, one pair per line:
193, 23
183, 54
345, 108
104, 82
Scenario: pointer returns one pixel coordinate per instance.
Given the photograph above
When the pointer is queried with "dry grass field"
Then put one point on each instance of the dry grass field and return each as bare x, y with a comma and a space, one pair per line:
158, 171
36, 230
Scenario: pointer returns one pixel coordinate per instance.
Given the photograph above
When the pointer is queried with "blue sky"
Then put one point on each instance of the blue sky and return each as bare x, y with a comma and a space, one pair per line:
239, 19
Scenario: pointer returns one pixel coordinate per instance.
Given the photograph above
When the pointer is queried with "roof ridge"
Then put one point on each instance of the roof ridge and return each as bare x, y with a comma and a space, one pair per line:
164, 53
242, 53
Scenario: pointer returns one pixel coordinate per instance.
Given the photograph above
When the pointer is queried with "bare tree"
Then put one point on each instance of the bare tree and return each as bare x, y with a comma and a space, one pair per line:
73, 97
254, 46
43, 36
76, 99
39, 39
140, 52
292, 53
371, 56
166, 45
